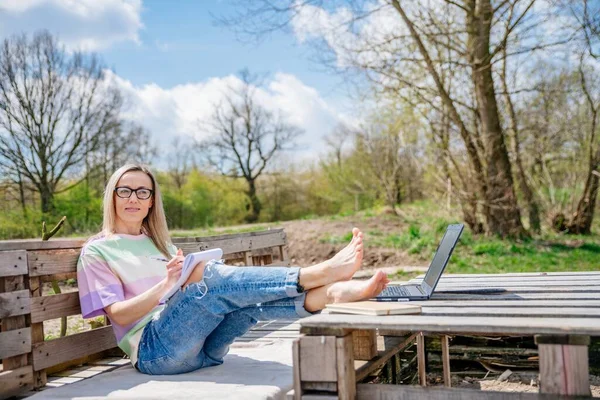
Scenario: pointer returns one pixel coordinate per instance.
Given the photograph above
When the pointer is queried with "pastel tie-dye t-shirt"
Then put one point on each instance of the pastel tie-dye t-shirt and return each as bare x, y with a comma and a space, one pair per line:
118, 267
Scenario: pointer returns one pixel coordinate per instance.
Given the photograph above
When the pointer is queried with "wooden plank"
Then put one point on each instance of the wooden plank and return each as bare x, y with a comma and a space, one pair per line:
520, 296
346, 382
558, 312
48, 262
393, 345
408, 392
509, 279
60, 350
512, 303
518, 274
248, 258
283, 255
422, 368
365, 344
564, 370
296, 369
446, 361
18, 323
14, 303
235, 243
458, 285
37, 244
318, 359
15, 381
460, 324
40, 378
13, 343
54, 306
532, 289
13, 263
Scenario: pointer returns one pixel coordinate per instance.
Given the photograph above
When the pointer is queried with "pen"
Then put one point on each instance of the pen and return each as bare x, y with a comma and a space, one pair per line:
159, 259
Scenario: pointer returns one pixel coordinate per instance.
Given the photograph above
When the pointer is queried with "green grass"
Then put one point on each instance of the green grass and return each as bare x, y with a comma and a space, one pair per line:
421, 225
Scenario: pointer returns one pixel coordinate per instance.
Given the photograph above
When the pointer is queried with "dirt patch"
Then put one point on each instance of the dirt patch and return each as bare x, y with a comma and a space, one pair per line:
308, 244
525, 382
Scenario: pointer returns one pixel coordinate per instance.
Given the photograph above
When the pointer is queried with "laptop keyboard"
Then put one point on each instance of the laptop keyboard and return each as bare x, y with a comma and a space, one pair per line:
395, 291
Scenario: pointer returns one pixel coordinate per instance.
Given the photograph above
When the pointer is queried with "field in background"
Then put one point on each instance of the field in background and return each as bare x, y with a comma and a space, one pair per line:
411, 238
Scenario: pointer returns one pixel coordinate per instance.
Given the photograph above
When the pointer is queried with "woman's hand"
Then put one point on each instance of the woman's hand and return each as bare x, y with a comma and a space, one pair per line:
174, 269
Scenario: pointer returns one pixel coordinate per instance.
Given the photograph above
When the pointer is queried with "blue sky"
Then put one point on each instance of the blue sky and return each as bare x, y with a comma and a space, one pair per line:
183, 43
173, 62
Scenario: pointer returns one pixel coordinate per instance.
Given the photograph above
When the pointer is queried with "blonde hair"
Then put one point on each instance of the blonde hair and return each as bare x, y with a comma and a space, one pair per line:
155, 223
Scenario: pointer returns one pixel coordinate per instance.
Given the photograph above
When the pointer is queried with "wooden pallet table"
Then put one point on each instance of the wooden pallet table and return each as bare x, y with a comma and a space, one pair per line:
561, 310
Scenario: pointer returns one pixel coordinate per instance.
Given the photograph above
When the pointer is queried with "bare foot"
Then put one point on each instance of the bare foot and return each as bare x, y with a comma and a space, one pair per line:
348, 260
345, 291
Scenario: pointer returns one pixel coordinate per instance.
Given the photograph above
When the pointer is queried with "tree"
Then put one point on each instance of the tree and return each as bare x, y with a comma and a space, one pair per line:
408, 47
245, 136
55, 108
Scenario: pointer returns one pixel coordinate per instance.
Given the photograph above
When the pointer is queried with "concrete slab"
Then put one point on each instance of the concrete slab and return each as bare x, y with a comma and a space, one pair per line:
248, 373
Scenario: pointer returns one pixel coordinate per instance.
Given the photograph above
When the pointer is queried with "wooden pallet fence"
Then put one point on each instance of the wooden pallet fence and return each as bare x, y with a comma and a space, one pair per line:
26, 265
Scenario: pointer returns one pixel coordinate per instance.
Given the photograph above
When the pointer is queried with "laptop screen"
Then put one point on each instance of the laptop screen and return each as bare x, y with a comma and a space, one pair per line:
442, 254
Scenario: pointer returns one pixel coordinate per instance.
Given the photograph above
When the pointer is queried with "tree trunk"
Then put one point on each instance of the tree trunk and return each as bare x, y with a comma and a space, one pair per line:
503, 215
22, 194
47, 199
255, 206
581, 223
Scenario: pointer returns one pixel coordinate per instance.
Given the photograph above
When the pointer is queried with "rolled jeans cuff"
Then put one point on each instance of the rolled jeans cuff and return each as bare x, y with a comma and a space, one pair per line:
292, 282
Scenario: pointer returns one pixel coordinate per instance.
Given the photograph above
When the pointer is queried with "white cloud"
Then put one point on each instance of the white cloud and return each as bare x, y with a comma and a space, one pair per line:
176, 111
80, 24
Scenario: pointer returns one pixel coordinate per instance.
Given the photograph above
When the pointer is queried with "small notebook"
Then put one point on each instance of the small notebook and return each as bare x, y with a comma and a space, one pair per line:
189, 263
373, 308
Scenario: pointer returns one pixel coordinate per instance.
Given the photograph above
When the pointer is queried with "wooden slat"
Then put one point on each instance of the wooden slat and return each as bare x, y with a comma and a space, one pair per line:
234, 243
446, 361
14, 381
564, 370
54, 306
543, 278
519, 274
421, 364
442, 324
515, 283
14, 303
13, 263
346, 382
318, 359
540, 288
48, 262
40, 378
558, 312
60, 350
36, 244
512, 303
407, 392
14, 343
392, 346
10, 324
518, 296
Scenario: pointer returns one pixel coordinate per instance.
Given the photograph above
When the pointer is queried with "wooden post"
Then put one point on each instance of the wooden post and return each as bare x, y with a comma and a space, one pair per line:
365, 344
296, 369
564, 368
15, 261
346, 382
421, 359
37, 334
446, 361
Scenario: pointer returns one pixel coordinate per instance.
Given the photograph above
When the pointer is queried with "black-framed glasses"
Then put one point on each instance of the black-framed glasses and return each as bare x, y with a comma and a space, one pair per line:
141, 193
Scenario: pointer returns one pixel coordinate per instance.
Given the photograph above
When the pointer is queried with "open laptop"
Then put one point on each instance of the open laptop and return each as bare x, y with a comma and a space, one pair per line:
437, 266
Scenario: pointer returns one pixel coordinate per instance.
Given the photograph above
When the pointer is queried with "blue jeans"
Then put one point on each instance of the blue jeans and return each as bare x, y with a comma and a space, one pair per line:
198, 324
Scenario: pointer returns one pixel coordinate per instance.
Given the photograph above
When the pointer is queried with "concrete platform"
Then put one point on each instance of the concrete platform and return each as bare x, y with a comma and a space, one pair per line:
261, 371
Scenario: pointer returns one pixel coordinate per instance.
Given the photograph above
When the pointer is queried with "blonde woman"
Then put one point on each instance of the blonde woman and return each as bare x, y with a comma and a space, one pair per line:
123, 272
